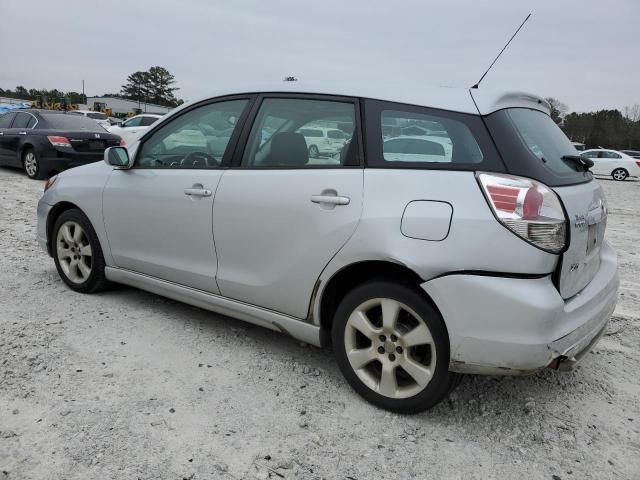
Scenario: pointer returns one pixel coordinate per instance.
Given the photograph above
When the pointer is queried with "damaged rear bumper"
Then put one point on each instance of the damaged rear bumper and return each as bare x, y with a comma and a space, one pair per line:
516, 326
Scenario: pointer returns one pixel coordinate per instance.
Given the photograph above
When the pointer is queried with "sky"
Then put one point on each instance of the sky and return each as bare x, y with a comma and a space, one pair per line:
583, 52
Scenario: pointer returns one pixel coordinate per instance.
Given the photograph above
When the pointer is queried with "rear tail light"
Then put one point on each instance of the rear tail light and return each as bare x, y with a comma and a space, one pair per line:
59, 141
528, 208
638, 163
123, 143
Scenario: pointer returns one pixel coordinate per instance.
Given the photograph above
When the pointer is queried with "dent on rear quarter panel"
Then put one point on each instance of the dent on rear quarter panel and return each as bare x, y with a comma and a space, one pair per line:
476, 241
83, 187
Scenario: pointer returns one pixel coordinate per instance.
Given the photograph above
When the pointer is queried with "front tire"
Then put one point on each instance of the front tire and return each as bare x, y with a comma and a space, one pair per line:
619, 174
31, 164
392, 346
77, 253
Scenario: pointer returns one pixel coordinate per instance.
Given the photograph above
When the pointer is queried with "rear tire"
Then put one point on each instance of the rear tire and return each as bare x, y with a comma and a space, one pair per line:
619, 174
314, 152
31, 164
77, 253
392, 346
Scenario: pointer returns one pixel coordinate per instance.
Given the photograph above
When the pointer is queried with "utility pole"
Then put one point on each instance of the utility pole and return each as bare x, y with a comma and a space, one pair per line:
84, 98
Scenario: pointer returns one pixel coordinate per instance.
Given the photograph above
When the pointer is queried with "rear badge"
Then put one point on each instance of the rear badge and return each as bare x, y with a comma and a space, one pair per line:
97, 135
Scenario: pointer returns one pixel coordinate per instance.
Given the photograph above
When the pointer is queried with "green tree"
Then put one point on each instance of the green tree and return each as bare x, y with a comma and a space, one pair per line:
153, 86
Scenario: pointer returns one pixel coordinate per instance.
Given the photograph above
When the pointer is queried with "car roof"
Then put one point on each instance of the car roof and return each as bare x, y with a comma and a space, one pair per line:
463, 100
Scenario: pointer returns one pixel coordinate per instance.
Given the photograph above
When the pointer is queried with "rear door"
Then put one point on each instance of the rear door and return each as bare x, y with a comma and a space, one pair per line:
279, 215
12, 137
158, 214
5, 125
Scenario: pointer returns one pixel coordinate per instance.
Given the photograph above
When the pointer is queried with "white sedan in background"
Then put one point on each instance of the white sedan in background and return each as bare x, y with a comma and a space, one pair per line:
134, 126
611, 162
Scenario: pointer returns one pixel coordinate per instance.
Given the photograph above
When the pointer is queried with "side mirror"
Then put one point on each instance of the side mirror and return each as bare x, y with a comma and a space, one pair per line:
117, 157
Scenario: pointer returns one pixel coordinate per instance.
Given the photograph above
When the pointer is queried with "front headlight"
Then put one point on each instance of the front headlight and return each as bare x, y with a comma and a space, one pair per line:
49, 183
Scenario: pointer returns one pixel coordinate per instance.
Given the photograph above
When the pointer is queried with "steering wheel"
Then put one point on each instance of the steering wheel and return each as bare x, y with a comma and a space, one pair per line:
193, 160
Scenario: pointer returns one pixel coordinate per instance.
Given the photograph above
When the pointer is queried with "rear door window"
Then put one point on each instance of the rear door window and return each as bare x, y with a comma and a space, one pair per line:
21, 121
405, 136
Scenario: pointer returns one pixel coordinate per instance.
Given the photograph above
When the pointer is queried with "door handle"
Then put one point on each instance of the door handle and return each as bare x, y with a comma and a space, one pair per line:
22, 133
197, 192
330, 199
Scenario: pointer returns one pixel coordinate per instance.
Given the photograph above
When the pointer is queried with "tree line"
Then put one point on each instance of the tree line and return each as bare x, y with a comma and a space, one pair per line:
155, 85
615, 129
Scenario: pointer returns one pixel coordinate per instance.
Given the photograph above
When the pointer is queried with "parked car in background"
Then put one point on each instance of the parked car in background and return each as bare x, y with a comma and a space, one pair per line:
134, 126
323, 141
101, 118
418, 149
414, 266
632, 153
611, 162
45, 141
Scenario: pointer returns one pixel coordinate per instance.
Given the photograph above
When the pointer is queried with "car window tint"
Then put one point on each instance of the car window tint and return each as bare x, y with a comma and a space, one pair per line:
132, 122
97, 115
195, 139
21, 121
613, 155
5, 119
289, 133
544, 138
593, 154
146, 121
417, 138
32, 122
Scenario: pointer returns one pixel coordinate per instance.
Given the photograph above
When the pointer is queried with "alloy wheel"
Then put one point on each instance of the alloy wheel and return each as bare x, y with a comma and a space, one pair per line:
390, 348
31, 164
74, 252
619, 174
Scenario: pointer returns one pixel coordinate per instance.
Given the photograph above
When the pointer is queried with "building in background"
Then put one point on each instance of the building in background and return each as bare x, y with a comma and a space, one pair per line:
122, 107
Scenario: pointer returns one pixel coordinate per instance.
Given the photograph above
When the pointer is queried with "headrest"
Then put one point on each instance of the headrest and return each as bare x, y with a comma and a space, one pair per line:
288, 149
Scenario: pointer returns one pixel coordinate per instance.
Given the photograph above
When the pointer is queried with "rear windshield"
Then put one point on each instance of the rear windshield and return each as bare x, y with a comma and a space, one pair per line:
532, 145
543, 138
62, 121
97, 116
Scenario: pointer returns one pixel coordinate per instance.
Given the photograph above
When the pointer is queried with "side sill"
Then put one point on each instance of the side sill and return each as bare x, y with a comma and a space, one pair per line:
291, 326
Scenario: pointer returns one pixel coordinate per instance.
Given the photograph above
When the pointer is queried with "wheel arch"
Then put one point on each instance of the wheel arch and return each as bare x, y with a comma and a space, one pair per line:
57, 210
352, 275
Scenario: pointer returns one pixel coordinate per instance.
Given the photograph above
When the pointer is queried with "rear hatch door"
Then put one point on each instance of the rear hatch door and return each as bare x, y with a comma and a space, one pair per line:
586, 209
532, 145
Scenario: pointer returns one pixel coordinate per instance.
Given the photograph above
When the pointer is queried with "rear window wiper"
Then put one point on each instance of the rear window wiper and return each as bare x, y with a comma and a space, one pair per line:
583, 162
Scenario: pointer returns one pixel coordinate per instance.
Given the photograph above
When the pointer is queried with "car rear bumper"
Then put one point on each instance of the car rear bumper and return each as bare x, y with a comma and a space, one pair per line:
59, 161
500, 325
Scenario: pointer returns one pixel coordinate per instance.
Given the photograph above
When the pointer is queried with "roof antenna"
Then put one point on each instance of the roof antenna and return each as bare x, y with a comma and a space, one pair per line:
503, 49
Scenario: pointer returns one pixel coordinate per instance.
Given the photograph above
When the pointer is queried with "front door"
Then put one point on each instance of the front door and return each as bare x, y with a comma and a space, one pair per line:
158, 214
280, 216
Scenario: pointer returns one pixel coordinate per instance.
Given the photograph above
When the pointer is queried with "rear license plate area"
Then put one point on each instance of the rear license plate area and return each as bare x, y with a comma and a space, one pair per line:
96, 145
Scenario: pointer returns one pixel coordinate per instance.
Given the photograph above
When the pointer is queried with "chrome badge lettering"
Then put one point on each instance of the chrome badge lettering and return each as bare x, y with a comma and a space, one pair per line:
580, 222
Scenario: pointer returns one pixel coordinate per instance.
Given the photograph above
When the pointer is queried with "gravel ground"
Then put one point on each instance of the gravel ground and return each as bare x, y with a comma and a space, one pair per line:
128, 385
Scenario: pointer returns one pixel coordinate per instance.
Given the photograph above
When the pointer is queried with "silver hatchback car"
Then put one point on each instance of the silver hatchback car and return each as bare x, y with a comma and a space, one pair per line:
475, 246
